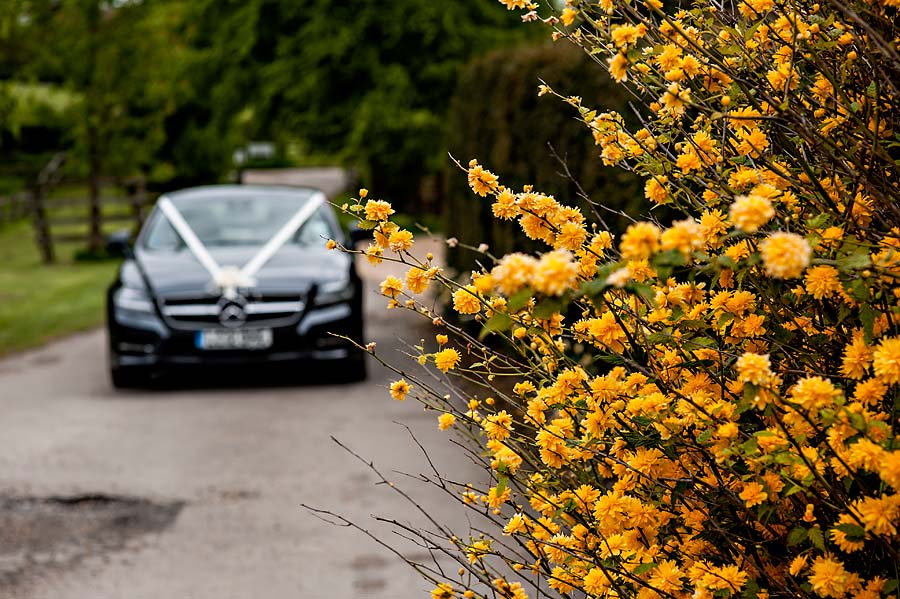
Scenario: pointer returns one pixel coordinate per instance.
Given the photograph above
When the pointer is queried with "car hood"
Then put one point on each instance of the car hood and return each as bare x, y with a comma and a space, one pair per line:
290, 270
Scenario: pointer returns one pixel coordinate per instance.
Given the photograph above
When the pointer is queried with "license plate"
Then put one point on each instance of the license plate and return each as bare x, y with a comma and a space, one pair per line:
234, 339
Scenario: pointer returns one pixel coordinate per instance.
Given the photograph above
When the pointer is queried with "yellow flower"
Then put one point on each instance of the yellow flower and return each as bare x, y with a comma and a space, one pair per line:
840, 538
887, 360
684, 236
400, 241
828, 577
814, 393
675, 98
513, 272
505, 206
713, 225
481, 181
750, 212
330, 244
869, 392
555, 273
442, 591
857, 357
753, 494
446, 359
822, 281
571, 236
446, 420
596, 582
441, 339
417, 279
797, 564
497, 498
889, 469
666, 577
517, 524
640, 241
754, 369
568, 16
618, 67
689, 161
382, 233
378, 210
655, 190
498, 426
399, 389
879, 515
373, 254
785, 255
729, 430
466, 301
391, 287
627, 34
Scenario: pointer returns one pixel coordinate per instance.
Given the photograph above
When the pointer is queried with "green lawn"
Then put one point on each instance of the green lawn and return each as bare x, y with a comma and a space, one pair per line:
38, 302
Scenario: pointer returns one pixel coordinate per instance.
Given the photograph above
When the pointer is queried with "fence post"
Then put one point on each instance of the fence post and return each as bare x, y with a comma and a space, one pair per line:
138, 197
41, 226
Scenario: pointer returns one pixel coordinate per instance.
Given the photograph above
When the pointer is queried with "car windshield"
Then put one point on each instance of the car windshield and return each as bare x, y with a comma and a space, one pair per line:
237, 221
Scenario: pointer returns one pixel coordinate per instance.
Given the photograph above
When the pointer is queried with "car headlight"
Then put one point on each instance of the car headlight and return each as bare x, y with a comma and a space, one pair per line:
332, 292
135, 300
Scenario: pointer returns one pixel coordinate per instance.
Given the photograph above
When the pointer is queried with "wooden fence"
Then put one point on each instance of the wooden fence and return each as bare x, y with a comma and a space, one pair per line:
61, 218
14, 207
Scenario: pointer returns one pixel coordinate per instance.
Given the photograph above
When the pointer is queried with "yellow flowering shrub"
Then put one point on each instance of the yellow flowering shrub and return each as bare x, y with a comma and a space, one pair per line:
708, 407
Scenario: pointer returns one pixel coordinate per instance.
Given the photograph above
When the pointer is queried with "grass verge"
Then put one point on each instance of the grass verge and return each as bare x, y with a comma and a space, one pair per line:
40, 302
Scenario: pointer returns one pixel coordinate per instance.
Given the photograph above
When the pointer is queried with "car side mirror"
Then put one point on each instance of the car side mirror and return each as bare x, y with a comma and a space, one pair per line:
358, 235
118, 244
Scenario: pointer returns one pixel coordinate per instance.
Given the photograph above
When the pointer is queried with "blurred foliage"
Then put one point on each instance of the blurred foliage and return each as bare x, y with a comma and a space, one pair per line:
97, 77
497, 117
172, 88
367, 82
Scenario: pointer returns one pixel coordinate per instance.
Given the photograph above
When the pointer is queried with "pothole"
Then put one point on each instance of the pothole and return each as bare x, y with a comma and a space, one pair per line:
42, 534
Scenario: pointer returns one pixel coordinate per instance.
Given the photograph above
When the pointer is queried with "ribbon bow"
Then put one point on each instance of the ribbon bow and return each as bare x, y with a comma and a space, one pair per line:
229, 279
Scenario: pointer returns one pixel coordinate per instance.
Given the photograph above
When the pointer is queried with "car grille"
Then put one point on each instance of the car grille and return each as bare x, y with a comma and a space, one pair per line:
268, 310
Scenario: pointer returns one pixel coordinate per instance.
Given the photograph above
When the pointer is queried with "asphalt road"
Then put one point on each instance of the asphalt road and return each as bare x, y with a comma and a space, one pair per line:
242, 460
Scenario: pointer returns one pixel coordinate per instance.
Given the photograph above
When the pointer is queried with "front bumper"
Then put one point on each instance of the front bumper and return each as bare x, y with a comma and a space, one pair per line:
143, 340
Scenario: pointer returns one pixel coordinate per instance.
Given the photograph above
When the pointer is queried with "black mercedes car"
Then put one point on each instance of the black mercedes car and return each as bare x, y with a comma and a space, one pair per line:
234, 274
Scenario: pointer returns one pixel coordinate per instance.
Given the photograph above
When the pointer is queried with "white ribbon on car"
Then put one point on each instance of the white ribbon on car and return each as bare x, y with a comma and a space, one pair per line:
228, 279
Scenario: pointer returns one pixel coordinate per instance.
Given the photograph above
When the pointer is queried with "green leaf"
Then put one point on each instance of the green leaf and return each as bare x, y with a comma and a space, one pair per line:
854, 106
547, 308
816, 538
859, 290
867, 317
611, 359
890, 586
750, 391
368, 225
668, 258
705, 436
858, 421
501, 484
856, 260
854, 532
519, 299
751, 590
594, 287
644, 568
498, 322
817, 222
797, 536
642, 289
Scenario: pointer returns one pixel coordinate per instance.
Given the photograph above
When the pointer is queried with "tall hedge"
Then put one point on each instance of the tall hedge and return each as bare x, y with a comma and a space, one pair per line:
497, 116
